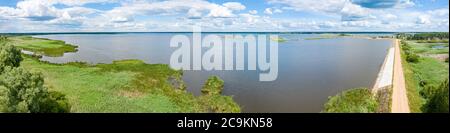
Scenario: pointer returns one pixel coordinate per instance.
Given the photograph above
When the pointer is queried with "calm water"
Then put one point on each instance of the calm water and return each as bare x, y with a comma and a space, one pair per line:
309, 70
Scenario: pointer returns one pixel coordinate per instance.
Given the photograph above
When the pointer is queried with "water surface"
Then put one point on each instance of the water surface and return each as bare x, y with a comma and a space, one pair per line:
309, 70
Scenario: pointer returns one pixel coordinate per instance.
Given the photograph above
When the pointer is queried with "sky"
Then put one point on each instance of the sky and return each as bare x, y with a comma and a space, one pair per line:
223, 15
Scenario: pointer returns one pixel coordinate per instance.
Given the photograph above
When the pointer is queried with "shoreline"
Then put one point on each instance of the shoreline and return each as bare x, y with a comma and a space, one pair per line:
385, 74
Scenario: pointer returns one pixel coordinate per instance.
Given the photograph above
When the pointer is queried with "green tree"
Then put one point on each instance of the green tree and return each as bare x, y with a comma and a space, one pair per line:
438, 99
54, 102
24, 92
23, 89
9, 56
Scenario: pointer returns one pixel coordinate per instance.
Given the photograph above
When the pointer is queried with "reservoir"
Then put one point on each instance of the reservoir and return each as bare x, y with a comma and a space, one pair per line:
310, 69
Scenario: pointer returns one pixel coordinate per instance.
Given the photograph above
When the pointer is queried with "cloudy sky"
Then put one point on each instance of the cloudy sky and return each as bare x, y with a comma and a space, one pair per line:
223, 15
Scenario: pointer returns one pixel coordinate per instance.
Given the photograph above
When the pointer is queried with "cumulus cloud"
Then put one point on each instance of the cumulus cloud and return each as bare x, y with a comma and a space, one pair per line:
423, 19
270, 11
234, 6
352, 12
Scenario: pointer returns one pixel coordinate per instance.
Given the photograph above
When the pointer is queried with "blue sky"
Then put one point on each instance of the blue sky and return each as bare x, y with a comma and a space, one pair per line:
223, 15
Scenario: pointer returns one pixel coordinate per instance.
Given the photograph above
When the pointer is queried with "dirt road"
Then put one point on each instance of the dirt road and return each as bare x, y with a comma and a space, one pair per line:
399, 96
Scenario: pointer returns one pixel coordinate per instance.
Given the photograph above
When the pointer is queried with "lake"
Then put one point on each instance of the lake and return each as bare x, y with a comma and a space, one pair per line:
310, 70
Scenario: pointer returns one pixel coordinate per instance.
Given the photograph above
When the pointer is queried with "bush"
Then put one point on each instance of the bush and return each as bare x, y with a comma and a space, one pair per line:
24, 92
54, 102
9, 56
213, 86
413, 58
358, 100
212, 99
437, 99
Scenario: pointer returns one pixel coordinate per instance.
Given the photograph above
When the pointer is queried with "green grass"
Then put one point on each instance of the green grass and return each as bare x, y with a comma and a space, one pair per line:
427, 71
430, 70
360, 100
415, 101
433, 41
53, 48
124, 86
427, 48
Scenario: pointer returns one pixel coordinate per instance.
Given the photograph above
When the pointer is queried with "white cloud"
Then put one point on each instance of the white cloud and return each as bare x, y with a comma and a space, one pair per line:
179, 15
328, 6
268, 11
423, 19
194, 14
278, 11
36, 10
234, 6
352, 12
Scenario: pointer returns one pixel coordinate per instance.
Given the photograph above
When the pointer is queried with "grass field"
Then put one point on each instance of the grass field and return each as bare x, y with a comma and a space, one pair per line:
415, 101
428, 48
53, 48
428, 71
123, 86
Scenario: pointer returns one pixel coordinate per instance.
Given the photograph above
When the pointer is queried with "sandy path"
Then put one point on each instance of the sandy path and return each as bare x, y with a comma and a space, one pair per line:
399, 97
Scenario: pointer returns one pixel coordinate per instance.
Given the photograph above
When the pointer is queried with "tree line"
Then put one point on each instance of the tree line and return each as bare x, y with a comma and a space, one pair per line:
423, 36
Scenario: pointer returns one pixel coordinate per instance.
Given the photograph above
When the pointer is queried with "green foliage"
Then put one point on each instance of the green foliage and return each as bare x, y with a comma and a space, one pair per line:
424, 75
437, 99
359, 100
213, 86
212, 99
54, 102
423, 36
126, 86
410, 56
414, 99
9, 56
413, 58
3, 39
432, 41
24, 90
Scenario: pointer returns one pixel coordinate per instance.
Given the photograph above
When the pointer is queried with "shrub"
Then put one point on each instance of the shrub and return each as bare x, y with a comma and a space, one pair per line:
358, 100
54, 102
24, 92
9, 56
212, 99
438, 99
413, 58
213, 86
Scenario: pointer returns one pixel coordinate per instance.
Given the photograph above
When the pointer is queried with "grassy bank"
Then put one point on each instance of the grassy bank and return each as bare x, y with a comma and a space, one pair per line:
43, 46
414, 99
427, 71
360, 100
123, 86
